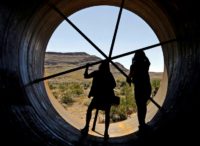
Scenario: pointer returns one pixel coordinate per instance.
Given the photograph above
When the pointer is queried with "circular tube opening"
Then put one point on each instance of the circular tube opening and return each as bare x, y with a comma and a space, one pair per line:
67, 49
39, 31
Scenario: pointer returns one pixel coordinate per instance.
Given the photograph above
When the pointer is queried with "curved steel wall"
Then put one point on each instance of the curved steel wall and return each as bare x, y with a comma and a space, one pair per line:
28, 116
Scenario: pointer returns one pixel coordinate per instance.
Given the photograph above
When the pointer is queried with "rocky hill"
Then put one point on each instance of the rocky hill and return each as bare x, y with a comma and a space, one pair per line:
77, 58
57, 62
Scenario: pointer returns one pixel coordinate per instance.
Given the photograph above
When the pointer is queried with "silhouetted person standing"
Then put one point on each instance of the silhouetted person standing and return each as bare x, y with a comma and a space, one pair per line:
139, 76
102, 90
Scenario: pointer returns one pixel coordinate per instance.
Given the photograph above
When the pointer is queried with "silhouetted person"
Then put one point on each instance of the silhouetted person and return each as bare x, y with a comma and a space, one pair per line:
139, 76
102, 90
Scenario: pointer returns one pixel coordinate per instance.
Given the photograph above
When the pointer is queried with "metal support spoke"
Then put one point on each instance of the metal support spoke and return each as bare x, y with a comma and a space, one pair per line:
111, 50
115, 57
62, 73
94, 63
84, 36
98, 49
145, 48
116, 28
77, 29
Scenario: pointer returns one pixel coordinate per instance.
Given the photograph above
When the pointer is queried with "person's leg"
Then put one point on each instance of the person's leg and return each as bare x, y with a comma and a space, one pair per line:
142, 106
88, 115
141, 112
95, 119
107, 122
140, 98
84, 131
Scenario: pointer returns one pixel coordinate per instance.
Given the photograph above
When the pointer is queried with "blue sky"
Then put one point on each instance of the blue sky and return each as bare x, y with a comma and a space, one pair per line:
98, 23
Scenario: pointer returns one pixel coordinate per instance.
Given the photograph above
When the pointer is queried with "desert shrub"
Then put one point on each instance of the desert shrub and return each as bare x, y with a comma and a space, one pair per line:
66, 98
65, 92
76, 89
127, 102
52, 86
155, 84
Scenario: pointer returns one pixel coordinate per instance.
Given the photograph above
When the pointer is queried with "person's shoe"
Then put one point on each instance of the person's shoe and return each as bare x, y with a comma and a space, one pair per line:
144, 130
84, 131
143, 127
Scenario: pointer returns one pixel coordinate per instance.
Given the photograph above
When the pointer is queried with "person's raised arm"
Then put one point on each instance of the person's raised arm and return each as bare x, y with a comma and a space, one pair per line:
86, 71
86, 74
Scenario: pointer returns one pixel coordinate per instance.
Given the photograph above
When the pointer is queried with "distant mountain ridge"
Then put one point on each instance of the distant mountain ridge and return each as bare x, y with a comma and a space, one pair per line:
75, 59
67, 53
